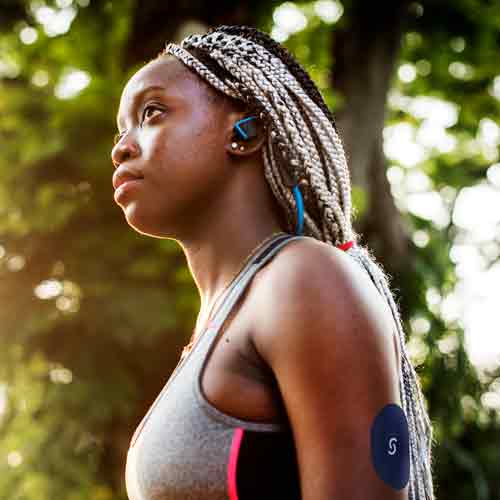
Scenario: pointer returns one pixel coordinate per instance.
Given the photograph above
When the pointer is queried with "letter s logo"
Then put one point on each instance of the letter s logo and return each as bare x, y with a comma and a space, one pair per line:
392, 446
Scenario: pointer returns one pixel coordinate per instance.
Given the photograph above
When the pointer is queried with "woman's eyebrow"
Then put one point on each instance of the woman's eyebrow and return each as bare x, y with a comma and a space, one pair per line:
138, 97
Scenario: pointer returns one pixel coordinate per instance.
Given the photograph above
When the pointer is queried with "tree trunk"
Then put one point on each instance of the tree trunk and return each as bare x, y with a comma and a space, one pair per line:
365, 52
155, 23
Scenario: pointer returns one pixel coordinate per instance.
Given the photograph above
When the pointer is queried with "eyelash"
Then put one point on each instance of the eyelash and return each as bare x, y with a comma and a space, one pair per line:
118, 136
150, 106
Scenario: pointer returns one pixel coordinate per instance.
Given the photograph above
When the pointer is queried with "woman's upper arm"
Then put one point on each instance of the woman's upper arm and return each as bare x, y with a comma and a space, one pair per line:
329, 340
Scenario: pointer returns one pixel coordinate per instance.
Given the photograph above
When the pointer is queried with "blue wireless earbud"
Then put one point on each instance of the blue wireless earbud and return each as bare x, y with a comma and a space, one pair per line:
245, 129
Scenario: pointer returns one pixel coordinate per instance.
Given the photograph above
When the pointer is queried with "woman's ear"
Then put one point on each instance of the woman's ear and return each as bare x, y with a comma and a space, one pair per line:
245, 134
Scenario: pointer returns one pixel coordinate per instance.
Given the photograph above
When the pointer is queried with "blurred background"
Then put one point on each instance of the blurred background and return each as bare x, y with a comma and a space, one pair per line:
93, 316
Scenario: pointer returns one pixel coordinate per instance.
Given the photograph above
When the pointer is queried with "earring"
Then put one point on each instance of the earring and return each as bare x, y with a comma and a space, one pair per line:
234, 145
242, 148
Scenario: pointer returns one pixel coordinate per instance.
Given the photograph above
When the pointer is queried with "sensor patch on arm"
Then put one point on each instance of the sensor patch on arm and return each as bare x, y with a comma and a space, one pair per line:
390, 448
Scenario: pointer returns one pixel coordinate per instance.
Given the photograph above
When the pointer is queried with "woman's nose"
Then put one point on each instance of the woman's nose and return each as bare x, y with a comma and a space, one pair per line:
124, 149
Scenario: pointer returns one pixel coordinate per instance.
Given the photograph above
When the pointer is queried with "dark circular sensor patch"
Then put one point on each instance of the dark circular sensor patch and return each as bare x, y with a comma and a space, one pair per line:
390, 446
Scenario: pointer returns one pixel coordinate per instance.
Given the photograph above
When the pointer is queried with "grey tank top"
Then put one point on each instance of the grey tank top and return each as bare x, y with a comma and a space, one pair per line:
186, 449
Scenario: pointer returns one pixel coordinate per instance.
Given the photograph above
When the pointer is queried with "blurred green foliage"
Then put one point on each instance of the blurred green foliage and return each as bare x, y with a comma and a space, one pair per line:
93, 316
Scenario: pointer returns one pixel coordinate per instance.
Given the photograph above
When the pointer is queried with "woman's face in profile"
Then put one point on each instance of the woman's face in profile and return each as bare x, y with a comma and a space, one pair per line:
175, 138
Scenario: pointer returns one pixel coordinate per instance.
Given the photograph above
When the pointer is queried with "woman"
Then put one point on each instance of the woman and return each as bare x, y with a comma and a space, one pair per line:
296, 383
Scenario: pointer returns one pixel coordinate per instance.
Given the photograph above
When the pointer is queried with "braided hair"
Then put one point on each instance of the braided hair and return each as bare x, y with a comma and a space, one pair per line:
303, 146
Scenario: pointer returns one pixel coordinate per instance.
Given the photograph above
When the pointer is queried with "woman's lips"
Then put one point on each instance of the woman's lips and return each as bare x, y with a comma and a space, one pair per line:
123, 174
126, 187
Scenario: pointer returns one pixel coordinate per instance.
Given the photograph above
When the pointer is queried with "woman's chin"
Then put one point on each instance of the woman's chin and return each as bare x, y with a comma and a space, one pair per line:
132, 214
143, 224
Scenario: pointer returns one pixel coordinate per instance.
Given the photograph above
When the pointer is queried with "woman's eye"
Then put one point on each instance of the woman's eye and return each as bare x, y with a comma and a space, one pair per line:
149, 107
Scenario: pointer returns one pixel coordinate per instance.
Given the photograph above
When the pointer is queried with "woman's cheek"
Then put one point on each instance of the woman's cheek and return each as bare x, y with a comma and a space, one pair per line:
154, 145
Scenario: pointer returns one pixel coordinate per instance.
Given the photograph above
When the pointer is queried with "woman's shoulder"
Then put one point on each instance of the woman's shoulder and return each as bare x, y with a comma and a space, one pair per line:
311, 287
307, 268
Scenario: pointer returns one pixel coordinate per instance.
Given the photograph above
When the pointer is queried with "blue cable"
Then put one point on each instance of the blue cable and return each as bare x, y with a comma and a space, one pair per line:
243, 134
300, 209
296, 190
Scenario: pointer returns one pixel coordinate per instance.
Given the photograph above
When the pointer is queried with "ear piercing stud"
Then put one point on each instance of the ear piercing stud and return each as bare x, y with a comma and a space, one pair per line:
234, 145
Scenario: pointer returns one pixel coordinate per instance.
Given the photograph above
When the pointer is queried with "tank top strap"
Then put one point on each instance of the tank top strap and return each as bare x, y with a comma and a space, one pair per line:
231, 295
238, 287
202, 350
